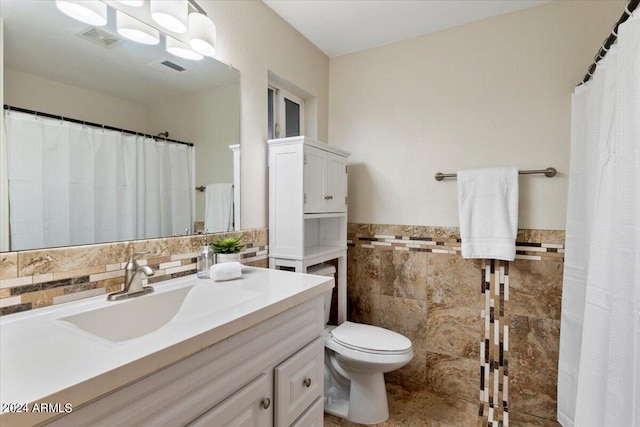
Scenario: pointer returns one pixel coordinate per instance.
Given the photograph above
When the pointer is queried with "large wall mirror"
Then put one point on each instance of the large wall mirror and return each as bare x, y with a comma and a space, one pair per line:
64, 69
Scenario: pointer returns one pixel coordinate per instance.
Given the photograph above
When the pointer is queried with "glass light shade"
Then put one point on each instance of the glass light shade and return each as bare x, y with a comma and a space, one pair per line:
136, 30
170, 14
177, 48
202, 34
92, 12
133, 3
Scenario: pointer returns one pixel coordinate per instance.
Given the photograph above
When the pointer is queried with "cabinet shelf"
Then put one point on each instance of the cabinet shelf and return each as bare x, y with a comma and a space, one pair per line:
323, 253
324, 215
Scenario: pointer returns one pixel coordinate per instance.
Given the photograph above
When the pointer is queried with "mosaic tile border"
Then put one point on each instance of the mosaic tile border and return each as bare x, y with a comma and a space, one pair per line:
534, 251
40, 278
494, 347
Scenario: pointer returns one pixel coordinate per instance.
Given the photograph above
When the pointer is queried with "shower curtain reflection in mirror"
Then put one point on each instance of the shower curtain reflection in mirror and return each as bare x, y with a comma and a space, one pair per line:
72, 184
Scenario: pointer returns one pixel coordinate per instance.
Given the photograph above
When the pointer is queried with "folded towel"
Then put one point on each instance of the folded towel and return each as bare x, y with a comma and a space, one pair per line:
218, 211
488, 210
225, 271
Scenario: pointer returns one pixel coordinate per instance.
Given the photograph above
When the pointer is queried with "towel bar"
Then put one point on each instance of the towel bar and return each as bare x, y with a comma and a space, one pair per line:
548, 172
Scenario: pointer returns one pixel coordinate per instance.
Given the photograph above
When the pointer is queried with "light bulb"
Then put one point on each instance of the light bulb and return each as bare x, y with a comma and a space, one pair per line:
92, 12
136, 30
202, 34
170, 14
177, 48
132, 3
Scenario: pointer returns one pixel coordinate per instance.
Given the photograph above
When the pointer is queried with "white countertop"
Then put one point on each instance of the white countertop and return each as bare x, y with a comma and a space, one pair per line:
44, 360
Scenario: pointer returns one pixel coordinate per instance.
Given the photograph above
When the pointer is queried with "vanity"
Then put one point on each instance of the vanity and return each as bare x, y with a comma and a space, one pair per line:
195, 352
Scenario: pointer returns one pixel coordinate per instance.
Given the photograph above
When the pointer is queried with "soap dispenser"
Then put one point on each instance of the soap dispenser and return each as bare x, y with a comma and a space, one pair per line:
205, 259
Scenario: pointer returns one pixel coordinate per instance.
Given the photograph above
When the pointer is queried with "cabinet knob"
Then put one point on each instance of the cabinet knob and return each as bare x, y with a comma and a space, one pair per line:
266, 402
307, 382
328, 197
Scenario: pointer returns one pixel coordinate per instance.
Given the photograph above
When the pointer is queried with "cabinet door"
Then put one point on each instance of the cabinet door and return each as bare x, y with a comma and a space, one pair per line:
299, 382
251, 406
315, 165
336, 178
314, 417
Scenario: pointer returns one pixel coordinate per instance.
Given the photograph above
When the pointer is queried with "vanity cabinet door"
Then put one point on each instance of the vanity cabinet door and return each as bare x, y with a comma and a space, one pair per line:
314, 417
299, 382
251, 406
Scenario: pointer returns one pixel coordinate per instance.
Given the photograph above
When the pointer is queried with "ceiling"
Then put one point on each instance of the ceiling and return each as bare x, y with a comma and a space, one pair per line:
338, 27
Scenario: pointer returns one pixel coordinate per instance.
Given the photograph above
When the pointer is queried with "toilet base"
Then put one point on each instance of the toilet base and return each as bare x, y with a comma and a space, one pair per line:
339, 408
362, 398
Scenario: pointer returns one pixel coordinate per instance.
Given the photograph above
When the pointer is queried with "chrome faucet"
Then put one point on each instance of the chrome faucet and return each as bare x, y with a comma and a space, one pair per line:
132, 281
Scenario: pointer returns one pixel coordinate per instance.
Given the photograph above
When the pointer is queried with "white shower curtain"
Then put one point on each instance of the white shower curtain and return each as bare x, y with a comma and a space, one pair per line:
599, 367
71, 184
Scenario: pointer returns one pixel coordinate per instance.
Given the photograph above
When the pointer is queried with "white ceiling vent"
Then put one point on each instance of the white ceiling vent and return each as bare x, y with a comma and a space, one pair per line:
100, 37
168, 66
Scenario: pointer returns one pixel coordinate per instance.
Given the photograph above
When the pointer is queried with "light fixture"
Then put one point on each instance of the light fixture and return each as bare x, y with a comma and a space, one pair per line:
177, 48
136, 30
132, 3
92, 12
202, 34
170, 14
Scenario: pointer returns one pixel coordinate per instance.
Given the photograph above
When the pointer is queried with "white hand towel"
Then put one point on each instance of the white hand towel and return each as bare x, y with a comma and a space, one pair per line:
488, 210
225, 271
218, 211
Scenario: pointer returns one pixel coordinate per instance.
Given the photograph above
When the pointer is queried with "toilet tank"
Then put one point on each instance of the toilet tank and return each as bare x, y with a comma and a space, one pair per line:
327, 270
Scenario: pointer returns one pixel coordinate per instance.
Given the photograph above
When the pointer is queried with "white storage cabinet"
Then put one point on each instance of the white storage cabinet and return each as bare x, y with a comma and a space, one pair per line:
308, 207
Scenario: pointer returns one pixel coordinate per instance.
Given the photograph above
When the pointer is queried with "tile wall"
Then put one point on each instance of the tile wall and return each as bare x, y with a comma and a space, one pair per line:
39, 278
413, 280
410, 279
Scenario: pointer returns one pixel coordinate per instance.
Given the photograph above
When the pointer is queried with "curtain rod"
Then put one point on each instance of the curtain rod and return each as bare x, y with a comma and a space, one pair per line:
97, 125
606, 45
548, 172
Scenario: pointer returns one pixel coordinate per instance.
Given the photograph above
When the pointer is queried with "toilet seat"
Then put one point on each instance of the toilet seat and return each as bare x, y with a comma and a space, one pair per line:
370, 339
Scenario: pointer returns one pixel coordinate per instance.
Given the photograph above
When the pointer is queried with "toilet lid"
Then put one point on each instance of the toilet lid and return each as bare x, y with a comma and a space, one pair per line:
372, 338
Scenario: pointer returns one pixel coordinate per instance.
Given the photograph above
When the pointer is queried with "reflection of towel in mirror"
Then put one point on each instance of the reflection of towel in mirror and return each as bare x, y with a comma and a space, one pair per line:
488, 209
218, 213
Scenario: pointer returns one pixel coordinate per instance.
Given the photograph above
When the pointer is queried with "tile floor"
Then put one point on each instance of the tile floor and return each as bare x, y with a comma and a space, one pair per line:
423, 409
419, 409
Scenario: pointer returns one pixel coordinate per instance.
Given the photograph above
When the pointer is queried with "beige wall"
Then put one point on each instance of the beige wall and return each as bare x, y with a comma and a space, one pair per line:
40, 94
490, 93
254, 39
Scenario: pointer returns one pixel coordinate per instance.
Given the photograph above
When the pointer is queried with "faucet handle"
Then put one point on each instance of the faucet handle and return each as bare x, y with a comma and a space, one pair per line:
132, 258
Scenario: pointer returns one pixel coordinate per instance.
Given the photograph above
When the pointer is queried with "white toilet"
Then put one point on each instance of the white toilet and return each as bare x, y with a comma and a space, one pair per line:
356, 358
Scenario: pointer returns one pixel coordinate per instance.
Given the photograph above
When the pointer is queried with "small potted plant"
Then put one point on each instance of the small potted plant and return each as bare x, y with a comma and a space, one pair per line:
228, 249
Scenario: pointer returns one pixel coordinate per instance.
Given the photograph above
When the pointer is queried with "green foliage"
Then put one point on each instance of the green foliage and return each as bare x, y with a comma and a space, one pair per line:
230, 245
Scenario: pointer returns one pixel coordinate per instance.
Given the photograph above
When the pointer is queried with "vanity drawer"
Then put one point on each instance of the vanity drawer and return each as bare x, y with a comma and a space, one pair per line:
299, 382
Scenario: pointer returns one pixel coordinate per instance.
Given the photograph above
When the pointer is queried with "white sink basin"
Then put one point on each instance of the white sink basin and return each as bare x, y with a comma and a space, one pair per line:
131, 318
134, 318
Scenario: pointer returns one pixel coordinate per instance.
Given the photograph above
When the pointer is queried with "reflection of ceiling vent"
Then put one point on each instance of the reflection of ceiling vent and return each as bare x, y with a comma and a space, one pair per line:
100, 37
167, 66
173, 66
